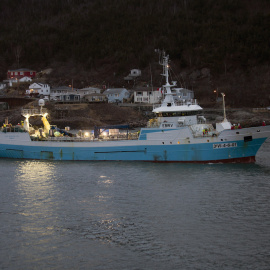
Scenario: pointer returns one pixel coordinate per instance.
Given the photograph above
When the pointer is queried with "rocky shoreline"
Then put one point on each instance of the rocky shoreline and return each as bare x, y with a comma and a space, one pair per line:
247, 117
86, 116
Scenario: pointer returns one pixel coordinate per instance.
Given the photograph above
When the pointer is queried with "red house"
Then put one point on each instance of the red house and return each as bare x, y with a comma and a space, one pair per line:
20, 73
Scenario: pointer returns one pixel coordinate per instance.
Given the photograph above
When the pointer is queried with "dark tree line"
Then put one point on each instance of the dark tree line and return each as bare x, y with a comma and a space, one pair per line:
197, 32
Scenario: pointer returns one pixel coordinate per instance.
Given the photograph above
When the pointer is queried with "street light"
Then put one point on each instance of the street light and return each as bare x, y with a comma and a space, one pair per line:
71, 85
216, 91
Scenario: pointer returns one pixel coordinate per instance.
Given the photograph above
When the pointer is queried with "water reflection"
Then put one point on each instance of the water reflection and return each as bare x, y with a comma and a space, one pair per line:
31, 170
36, 190
105, 181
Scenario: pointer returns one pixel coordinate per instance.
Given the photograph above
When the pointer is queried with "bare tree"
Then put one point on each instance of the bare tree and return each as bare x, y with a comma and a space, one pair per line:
18, 52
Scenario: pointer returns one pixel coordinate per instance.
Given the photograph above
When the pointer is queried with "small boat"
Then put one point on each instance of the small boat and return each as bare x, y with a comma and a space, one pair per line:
178, 133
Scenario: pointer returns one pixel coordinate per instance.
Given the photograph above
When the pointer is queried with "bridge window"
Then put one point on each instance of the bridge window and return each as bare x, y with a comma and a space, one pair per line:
169, 114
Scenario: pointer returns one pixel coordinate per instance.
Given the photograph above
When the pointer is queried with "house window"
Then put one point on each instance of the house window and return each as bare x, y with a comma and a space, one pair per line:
76, 98
150, 93
116, 95
31, 73
16, 73
139, 93
68, 97
145, 99
21, 73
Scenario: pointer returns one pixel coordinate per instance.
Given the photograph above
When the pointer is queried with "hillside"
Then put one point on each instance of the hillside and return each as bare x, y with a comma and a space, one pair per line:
213, 44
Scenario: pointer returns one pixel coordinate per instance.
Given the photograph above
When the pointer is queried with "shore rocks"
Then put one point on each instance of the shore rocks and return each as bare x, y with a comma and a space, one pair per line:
86, 116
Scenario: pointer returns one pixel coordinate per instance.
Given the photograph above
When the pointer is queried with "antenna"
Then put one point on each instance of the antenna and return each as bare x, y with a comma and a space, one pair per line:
41, 103
151, 76
224, 112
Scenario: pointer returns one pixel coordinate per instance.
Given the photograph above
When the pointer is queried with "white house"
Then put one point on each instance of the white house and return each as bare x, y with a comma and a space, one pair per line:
88, 91
60, 93
134, 73
147, 95
154, 95
65, 94
39, 89
57, 93
116, 95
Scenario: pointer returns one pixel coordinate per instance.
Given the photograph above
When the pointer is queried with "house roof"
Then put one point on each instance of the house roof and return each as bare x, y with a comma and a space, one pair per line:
25, 79
114, 91
90, 88
21, 69
36, 84
64, 88
95, 95
144, 89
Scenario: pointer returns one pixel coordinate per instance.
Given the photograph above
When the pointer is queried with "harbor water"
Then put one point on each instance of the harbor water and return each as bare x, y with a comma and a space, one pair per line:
135, 215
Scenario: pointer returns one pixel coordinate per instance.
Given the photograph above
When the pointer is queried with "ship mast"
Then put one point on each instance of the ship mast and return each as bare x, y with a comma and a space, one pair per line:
167, 86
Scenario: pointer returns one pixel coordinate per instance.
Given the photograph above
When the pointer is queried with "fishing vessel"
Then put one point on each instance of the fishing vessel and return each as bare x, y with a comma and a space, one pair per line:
178, 133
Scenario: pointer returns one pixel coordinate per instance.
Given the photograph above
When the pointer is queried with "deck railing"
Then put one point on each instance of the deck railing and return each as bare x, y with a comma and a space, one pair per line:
87, 139
12, 129
33, 111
